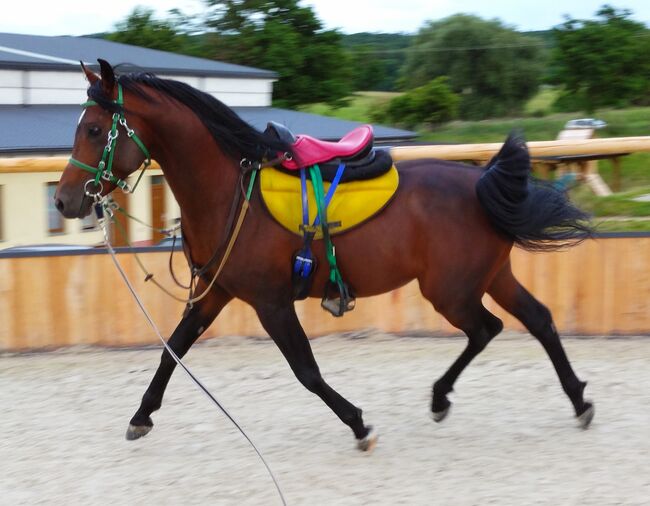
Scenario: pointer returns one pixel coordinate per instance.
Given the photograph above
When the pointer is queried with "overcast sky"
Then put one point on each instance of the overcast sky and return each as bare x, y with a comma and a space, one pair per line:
74, 17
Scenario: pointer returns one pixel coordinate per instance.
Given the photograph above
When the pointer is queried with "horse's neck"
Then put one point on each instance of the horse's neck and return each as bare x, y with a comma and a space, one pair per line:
202, 179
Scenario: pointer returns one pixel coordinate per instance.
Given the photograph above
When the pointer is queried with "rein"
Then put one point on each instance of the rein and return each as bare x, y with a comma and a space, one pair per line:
104, 171
104, 211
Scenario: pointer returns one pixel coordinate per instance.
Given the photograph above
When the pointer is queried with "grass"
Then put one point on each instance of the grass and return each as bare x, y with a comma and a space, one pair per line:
359, 107
541, 103
539, 123
620, 123
618, 204
622, 225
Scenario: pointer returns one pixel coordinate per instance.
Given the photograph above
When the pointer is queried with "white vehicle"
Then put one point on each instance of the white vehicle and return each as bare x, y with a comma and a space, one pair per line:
585, 123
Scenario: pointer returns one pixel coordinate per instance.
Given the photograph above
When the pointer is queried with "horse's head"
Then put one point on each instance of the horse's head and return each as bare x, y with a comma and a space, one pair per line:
99, 163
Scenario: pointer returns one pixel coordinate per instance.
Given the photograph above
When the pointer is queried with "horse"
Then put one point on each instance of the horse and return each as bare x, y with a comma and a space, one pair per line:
451, 226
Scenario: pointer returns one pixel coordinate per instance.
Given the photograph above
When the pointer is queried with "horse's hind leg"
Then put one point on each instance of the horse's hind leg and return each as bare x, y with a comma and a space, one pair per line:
480, 326
282, 324
187, 332
515, 299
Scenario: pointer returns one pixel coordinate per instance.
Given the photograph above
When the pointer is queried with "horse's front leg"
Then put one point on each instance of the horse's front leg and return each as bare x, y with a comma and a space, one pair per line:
282, 324
187, 332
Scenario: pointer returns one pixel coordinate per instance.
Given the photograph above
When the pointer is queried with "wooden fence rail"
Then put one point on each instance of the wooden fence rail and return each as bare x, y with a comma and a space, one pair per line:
565, 147
601, 287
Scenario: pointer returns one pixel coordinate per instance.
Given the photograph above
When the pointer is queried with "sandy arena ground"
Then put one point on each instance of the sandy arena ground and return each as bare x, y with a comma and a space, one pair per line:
510, 439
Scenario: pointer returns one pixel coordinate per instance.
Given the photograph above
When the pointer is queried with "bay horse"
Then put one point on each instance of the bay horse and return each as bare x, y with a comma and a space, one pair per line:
451, 226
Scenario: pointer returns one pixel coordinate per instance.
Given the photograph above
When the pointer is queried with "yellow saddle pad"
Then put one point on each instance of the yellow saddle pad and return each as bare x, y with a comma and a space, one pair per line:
352, 203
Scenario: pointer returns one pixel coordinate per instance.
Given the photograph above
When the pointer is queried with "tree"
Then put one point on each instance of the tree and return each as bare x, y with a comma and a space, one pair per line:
370, 73
494, 68
377, 59
141, 28
602, 62
282, 36
433, 103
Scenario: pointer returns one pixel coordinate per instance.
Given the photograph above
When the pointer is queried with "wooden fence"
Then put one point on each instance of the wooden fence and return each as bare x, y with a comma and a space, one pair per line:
601, 287
478, 152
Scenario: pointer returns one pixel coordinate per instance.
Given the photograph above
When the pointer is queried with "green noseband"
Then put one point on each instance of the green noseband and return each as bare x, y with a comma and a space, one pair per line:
104, 170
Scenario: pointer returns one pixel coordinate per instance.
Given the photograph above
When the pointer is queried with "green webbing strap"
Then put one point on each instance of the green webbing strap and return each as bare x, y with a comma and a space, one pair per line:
249, 192
319, 195
110, 150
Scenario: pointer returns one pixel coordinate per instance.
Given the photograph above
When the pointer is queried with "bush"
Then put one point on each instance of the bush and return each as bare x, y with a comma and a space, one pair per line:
433, 104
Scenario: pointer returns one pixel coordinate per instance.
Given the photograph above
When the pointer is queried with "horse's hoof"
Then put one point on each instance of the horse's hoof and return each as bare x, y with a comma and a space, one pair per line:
439, 416
137, 431
368, 443
587, 415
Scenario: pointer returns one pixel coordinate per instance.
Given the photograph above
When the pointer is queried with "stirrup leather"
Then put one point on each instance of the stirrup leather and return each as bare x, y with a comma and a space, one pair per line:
336, 299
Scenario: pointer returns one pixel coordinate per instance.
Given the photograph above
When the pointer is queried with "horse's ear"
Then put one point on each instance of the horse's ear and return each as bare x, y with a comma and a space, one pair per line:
108, 76
90, 75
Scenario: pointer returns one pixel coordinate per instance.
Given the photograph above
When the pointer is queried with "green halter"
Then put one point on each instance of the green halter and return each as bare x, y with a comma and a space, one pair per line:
104, 168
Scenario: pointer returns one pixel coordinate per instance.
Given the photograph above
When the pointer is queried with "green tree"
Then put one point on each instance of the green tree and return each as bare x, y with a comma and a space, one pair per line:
370, 73
432, 104
141, 28
376, 59
282, 36
494, 68
602, 62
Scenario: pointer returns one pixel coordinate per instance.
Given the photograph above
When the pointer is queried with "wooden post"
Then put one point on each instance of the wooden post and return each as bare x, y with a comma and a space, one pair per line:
616, 174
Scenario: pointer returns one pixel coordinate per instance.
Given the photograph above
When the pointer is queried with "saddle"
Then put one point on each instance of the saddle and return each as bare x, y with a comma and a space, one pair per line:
320, 173
355, 149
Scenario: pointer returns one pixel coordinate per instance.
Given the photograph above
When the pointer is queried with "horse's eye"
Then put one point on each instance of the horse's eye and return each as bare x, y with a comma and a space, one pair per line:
94, 131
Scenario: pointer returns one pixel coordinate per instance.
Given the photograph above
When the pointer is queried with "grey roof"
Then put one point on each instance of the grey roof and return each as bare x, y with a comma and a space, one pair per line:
50, 128
63, 52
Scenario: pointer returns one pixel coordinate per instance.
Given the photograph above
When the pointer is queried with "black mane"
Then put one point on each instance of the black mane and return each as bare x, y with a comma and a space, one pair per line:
233, 135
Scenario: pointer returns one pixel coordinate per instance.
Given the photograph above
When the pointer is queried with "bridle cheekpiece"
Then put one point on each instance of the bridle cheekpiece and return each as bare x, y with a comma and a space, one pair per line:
104, 169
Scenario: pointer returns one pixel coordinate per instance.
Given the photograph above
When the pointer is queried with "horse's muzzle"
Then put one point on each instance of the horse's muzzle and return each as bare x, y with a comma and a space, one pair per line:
73, 207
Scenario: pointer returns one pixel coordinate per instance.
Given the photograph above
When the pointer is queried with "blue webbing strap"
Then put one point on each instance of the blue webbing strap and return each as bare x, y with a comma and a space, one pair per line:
304, 259
305, 203
332, 189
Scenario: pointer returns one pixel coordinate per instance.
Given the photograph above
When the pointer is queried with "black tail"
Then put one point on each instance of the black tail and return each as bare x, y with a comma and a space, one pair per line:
534, 214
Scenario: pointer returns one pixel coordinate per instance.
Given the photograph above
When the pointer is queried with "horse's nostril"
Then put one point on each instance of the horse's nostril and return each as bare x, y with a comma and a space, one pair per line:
59, 205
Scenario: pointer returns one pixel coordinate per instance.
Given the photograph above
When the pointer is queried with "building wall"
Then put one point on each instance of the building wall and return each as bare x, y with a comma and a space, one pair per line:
24, 211
32, 87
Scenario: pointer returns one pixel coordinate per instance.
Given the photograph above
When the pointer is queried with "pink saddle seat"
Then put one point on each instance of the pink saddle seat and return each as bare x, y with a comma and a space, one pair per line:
309, 150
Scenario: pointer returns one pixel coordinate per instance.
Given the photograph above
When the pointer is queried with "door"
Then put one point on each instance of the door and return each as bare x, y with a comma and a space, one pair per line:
120, 231
158, 217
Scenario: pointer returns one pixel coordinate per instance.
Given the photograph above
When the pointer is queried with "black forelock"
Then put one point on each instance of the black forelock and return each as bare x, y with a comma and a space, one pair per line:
233, 135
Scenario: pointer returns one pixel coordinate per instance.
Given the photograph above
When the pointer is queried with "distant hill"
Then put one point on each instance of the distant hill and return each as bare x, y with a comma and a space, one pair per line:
378, 40
378, 58
545, 35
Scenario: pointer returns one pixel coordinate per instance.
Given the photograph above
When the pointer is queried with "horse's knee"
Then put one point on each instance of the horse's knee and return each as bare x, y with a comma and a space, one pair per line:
479, 340
493, 324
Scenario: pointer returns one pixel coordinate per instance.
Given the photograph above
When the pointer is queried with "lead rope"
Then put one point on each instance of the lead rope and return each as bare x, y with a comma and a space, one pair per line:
231, 243
101, 211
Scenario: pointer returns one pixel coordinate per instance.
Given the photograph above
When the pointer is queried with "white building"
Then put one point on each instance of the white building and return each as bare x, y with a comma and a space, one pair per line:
41, 87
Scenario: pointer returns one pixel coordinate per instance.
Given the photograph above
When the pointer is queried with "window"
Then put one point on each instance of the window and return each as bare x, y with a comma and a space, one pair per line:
89, 223
54, 217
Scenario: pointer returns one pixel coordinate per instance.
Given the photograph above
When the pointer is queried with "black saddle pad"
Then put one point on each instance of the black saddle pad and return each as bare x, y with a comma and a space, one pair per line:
374, 164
